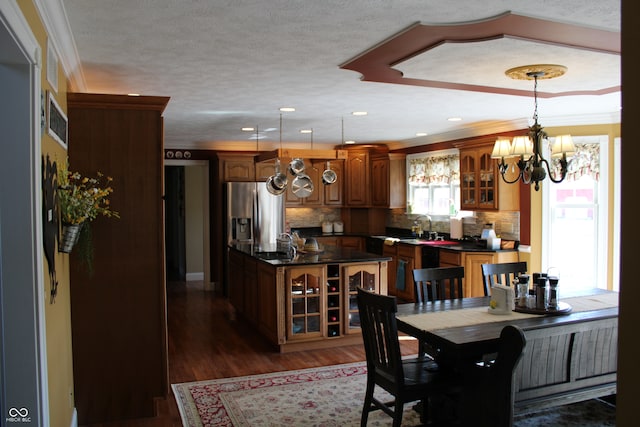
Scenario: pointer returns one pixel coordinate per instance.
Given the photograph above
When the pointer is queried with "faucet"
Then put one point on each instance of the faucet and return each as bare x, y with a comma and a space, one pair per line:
417, 225
290, 249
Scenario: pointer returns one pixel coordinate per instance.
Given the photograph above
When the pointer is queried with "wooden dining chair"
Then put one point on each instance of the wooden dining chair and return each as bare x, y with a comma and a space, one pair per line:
488, 395
503, 274
433, 284
407, 380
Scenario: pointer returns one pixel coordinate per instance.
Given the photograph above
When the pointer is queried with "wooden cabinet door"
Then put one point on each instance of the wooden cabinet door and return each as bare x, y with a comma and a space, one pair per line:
269, 299
314, 170
366, 276
380, 182
334, 193
266, 169
487, 183
305, 289
351, 242
472, 283
357, 182
407, 255
391, 251
238, 169
250, 286
468, 179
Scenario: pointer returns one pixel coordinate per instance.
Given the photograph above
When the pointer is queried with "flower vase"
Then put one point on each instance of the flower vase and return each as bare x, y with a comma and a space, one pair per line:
70, 236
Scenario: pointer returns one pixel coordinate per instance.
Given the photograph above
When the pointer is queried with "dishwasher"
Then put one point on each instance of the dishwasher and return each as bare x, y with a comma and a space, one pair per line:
430, 256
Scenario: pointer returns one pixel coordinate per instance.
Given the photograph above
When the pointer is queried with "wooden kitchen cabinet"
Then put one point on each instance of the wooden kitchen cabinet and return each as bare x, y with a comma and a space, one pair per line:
472, 261
406, 257
478, 179
357, 179
322, 195
353, 242
237, 167
375, 178
481, 185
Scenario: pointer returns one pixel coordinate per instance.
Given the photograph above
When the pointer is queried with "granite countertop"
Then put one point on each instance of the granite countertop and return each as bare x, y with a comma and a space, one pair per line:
329, 255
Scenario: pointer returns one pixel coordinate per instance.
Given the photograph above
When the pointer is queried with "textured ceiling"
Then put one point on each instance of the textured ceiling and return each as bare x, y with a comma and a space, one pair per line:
227, 64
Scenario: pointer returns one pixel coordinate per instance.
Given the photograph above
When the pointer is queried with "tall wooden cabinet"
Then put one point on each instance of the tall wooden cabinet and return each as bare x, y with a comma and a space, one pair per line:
118, 314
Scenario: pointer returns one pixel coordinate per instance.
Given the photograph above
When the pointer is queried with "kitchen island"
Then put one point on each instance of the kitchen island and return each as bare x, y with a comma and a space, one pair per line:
304, 301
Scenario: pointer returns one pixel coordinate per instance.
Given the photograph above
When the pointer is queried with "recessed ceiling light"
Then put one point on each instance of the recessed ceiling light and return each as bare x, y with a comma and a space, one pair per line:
133, 94
349, 142
359, 113
454, 119
287, 109
248, 129
421, 134
306, 131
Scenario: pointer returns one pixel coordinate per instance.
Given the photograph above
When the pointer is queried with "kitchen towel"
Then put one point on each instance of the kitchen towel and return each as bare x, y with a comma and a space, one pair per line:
400, 275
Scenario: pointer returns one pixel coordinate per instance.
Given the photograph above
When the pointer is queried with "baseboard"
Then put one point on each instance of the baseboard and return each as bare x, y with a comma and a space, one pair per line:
192, 277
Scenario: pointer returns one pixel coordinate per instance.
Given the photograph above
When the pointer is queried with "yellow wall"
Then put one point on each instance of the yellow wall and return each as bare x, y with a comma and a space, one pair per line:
57, 314
534, 259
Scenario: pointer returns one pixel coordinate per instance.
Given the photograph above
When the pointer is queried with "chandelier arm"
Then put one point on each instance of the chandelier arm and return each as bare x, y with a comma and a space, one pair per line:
563, 170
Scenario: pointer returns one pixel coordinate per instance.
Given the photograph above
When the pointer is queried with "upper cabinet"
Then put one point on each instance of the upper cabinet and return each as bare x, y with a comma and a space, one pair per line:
481, 186
322, 194
237, 167
374, 178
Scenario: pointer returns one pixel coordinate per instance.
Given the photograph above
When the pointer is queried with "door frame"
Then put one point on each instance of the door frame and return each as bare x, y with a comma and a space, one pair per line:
22, 297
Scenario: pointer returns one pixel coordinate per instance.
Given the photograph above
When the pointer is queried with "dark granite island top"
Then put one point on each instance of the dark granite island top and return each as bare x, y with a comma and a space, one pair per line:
329, 255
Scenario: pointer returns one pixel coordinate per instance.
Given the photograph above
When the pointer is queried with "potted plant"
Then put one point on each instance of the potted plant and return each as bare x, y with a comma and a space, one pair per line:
81, 200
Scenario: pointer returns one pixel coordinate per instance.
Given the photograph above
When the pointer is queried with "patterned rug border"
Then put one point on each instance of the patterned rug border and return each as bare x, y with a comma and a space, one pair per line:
188, 408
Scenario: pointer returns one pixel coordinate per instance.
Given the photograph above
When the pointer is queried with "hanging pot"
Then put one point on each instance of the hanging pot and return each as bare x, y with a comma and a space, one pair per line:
329, 176
274, 186
69, 238
296, 166
302, 186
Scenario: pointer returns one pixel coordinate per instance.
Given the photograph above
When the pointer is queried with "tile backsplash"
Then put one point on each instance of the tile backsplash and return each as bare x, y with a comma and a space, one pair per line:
506, 224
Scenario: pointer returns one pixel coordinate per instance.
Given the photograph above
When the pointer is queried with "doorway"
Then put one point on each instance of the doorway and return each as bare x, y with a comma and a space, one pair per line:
187, 221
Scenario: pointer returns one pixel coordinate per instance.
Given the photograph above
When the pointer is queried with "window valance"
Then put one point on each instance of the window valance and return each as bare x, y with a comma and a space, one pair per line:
585, 161
434, 169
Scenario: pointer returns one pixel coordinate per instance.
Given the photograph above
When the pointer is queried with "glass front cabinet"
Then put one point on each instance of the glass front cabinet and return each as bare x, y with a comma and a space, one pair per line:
322, 300
305, 301
366, 276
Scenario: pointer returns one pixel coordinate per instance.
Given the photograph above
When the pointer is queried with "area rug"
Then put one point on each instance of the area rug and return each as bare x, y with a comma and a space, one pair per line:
329, 396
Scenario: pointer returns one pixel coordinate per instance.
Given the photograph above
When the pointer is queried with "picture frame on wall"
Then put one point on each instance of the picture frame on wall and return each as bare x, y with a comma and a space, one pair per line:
57, 123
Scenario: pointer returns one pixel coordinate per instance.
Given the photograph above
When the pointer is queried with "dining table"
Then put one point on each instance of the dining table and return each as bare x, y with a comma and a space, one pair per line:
569, 356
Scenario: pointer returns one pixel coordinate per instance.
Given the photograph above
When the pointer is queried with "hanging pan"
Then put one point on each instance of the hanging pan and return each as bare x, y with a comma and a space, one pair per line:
296, 166
302, 186
329, 176
277, 183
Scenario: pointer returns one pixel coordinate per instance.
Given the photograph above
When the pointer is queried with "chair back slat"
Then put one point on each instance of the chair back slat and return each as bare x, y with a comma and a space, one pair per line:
434, 284
501, 274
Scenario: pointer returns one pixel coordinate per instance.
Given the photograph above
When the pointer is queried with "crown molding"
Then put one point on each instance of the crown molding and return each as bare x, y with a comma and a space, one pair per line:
56, 24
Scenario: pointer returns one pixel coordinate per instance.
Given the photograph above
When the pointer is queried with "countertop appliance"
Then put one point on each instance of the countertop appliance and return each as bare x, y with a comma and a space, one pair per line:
254, 215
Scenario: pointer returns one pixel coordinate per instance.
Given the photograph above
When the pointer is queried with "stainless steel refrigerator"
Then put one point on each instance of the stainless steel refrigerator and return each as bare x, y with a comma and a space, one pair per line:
253, 214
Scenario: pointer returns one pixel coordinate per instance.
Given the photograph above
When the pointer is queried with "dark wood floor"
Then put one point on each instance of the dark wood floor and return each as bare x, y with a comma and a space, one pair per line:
206, 343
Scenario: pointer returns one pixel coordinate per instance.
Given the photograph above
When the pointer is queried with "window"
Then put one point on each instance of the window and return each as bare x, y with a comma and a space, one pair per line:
575, 232
434, 183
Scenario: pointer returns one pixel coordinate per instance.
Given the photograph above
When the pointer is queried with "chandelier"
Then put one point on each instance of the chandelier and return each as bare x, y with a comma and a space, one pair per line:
535, 167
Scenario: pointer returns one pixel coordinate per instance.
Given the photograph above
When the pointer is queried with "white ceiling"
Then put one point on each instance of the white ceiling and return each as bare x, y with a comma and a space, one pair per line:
227, 64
